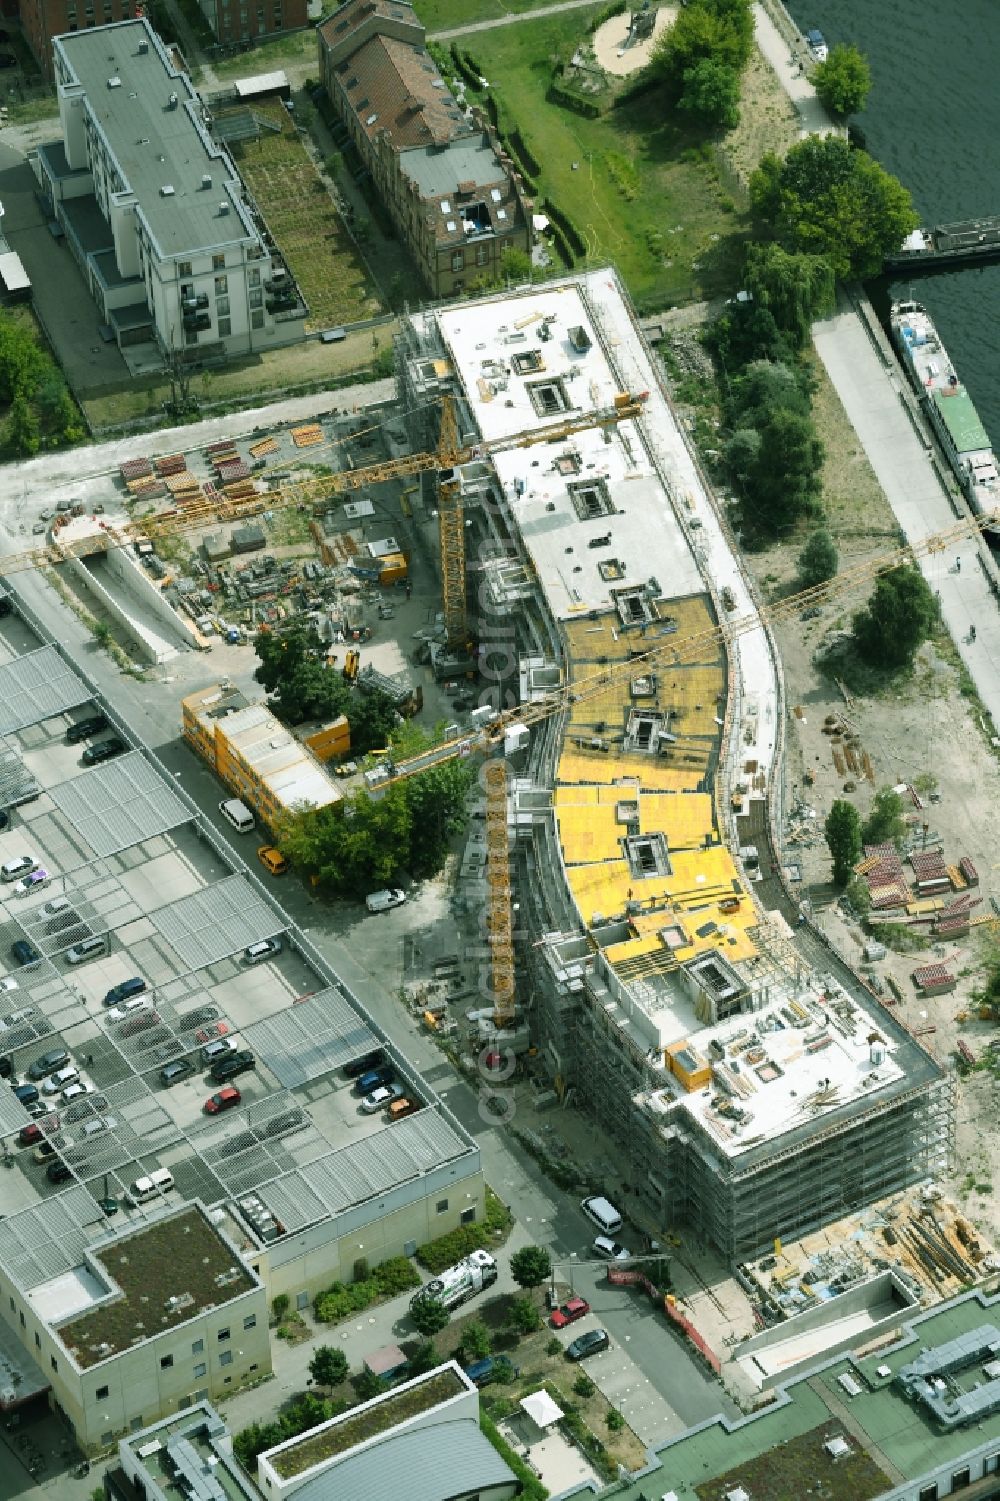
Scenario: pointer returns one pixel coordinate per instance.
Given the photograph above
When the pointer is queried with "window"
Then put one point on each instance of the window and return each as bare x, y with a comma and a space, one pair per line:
457, 260
482, 255
257, 320
190, 336
442, 1205
53, 1363
960, 1479
222, 307
468, 1216
257, 298
225, 327
38, 1342
222, 1335
301, 1300
221, 286
200, 1370
21, 1316
101, 1393
226, 1358
198, 1347
548, 397
183, 269
253, 276
218, 263
13, 1305
250, 1322
591, 498
106, 1438
166, 1361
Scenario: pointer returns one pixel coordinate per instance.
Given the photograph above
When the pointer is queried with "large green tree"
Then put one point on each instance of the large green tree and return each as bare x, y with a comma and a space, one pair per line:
775, 467
885, 820
328, 1366
843, 80
795, 288
428, 1315
710, 94
818, 560
826, 198
531, 1266
719, 31
843, 835
897, 619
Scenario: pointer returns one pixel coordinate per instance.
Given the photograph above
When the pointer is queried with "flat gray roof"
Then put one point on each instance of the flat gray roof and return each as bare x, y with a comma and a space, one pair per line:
311, 1038
36, 687
430, 1464
216, 922
120, 804
155, 144
437, 171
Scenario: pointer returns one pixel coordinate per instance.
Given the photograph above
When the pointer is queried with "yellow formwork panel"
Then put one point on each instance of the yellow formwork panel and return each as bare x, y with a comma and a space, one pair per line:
684, 817
581, 767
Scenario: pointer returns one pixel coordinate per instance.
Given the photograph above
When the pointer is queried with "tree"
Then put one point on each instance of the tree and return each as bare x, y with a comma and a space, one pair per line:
843, 835
373, 718
293, 668
843, 80
830, 200
719, 31
531, 1266
367, 1385
766, 387
328, 1366
777, 471
885, 821
429, 1316
523, 1316
476, 1341
796, 289
423, 1359
710, 94
818, 560
437, 805
21, 435
898, 617
743, 332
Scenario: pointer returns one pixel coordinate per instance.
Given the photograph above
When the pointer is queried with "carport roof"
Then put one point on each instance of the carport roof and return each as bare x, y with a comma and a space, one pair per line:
311, 1038
43, 1242
363, 1170
12, 1113
210, 925
36, 687
119, 804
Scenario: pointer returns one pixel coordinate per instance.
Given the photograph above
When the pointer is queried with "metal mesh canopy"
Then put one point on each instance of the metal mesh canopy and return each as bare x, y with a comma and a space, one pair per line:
212, 924
309, 1039
17, 784
36, 687
45, 1241
12, 1113
120, 804
363, 1170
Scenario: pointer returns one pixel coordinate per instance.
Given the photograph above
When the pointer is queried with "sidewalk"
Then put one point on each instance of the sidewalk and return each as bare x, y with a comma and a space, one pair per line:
813, 117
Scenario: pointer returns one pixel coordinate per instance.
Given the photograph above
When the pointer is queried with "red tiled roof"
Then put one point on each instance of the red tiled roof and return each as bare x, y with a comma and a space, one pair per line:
395, 93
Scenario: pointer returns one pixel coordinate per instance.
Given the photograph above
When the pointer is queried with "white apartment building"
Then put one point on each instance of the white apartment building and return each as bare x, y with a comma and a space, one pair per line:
174, 250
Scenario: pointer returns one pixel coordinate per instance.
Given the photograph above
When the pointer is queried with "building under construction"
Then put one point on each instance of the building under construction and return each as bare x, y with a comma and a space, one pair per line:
754, 1087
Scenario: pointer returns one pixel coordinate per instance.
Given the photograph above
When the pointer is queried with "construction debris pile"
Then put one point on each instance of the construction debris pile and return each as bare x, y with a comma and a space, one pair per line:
921, 1237
923, 896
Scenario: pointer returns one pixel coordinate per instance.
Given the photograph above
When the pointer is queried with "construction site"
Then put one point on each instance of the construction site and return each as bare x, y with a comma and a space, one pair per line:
596, 611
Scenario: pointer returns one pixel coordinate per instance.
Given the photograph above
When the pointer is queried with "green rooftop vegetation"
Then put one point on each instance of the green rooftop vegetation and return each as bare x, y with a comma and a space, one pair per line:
168, 1272
784, 1473
397, 1407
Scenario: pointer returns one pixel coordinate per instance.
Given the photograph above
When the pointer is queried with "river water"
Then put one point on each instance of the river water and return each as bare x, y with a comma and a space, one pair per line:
933, 119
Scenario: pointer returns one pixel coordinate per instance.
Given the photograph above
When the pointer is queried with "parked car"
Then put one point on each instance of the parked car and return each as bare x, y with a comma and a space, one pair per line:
128, 1008
141, 1022
288, 1120
27, 1094
257, 953
224, 1100
76, 1092
403, 1107
104, 750
7, 982
610, 1249
37, 1130
87, 948
21, 866
364, 1065
272, 859
124, 990
84, 728
43, 1152
236, 1063
48, 1063
199, 1017
211, 1032
33, 881
381, 901
571, 1310
381, 1097
374, 1079
58, 1171
181, 1068
588, 1344
61, 1079
24, 953
6, 1065
493, 1368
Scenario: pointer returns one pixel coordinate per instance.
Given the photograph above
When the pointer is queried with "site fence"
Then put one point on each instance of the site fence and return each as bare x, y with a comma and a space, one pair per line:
691, 1334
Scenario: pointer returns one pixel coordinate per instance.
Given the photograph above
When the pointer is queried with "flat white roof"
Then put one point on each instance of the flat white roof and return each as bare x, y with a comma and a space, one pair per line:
261, 83
70, 1293
278, 758
13, 274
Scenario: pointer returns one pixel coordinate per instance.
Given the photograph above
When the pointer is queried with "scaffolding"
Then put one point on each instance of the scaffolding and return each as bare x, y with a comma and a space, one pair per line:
499, 926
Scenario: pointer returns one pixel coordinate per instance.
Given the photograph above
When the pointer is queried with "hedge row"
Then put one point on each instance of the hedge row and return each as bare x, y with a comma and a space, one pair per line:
616, 8
562, 221
394, 1276
509, 132
570, 99
466, 65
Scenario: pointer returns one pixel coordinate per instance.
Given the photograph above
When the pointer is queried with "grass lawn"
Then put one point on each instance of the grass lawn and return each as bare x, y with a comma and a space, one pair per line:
643, 194
443, 15
310, 233
284, 51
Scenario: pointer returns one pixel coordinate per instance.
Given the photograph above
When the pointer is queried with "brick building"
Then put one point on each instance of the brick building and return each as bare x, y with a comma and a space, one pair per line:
249, 20
452, 194
41, 20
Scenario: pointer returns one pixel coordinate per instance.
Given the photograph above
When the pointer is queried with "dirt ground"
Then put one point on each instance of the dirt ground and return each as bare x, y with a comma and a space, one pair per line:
609, 43
768, 121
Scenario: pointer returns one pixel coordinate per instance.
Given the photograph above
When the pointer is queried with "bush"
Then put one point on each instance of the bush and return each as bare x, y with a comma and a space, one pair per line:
583, 1386
583, 104
553, 1346
279, 1306
387, 1280
574, 238
523, 1316
616, 8
447, 1249
532, 1488
615, 1420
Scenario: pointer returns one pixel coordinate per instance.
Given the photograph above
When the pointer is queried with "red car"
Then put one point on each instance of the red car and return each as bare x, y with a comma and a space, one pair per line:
576, 1308
224, 1100
29, 1135
209, 1034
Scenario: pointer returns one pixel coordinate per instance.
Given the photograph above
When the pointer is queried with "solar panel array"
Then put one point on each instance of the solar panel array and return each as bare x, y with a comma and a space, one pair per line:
119, 804
210, 925
37, 686
311, 1038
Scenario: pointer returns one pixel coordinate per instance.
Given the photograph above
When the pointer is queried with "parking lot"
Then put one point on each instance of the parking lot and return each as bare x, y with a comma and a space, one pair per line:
111, 879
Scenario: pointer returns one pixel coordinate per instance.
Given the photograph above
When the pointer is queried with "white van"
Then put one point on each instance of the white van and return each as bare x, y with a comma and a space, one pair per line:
143, 1189
603, 1213
238, 814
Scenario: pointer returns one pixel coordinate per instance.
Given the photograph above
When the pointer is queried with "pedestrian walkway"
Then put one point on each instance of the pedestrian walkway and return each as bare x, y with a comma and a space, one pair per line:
877, 407
814, 119
528, 15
